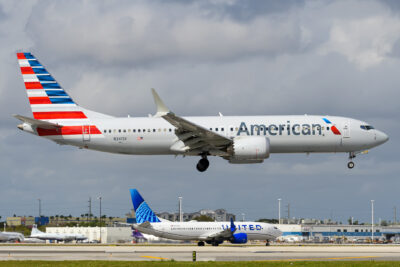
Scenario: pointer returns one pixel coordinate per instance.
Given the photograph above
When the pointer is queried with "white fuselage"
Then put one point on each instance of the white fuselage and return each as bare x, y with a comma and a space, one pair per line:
287, 134
201, 231
58, 237
11, 236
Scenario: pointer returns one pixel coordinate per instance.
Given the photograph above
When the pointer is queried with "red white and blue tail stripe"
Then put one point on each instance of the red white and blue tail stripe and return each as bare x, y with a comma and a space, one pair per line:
49, 101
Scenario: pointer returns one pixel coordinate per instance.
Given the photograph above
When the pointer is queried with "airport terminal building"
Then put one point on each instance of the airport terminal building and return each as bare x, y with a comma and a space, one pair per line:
351, 233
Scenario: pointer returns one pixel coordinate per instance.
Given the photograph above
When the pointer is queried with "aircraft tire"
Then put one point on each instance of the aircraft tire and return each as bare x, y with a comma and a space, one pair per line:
201, 244
203, 165
350, 165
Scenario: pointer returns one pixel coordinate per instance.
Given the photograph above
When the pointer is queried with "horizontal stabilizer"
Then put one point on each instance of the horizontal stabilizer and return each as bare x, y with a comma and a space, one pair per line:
37, 123
146, 224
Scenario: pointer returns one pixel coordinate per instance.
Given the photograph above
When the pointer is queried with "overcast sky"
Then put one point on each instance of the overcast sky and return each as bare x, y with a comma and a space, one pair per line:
204, 57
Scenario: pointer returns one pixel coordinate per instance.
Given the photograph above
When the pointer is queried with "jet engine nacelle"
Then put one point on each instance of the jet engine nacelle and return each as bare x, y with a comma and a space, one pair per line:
249, 149
239, 238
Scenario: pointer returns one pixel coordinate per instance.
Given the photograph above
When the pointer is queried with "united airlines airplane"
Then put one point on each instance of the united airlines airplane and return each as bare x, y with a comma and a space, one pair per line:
213, 233
238, 139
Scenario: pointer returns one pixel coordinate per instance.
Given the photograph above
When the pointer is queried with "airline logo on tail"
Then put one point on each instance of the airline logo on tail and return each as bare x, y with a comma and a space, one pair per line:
49, 102
142, 210
42, 87
333, 127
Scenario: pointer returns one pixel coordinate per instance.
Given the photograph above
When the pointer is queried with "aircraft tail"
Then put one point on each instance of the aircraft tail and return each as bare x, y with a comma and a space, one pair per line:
49, 101
142, 210
47, 98
35, 230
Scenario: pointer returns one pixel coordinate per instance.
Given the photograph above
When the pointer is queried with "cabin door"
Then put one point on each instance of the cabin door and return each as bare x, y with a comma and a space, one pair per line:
346, 129
86, 133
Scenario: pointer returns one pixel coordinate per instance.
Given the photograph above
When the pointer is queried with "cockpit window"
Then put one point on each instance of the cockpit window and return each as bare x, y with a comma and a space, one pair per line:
366, 127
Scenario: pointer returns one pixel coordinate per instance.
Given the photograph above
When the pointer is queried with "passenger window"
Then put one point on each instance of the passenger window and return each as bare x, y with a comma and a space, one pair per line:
327, 128
138, 130
154, 130
170, 129
216, 129
105, 131
148, 130
124, 130
134, 130
222, 129
231, 129
119, 130
109, 131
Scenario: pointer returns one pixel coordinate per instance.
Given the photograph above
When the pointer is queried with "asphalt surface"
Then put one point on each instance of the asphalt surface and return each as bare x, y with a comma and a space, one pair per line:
207, 253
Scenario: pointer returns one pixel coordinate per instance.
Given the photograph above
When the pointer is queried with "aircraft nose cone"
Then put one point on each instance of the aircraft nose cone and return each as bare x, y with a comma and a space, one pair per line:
381, 137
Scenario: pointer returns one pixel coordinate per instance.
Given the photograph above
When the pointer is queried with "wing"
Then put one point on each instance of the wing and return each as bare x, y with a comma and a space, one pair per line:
192, 138
226, 234
222, 235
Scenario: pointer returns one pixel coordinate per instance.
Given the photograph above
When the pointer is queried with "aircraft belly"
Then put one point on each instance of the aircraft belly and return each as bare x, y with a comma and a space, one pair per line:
304, 144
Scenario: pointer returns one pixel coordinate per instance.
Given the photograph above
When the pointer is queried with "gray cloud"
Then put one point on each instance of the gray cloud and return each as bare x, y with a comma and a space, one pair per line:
237, 57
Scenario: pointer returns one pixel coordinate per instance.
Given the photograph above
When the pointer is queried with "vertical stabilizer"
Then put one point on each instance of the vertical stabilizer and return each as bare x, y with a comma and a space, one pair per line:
35, 231
50, 102
142, 210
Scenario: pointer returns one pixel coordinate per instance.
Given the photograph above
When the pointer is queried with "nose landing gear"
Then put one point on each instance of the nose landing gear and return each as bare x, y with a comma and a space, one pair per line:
351, 164
203, 164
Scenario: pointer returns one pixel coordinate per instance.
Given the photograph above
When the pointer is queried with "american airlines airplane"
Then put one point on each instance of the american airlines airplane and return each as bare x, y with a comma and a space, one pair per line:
238, 139
213, 233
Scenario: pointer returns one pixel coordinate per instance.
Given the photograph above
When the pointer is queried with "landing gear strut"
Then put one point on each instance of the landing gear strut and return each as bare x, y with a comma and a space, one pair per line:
203, 164
351, 164
201, 244
267, 243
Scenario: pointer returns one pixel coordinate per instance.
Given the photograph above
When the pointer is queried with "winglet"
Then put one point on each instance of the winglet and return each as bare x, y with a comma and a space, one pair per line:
233, 226
161, 107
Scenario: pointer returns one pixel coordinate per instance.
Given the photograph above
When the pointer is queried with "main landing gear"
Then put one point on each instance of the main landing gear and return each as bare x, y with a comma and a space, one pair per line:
267, 243
201, 244
203, 164
351, 164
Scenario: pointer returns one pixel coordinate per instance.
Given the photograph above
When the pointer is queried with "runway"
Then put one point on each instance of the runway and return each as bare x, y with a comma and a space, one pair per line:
208, 253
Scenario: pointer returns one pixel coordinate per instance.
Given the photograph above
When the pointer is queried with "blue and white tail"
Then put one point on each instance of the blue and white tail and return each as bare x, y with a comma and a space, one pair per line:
142, 210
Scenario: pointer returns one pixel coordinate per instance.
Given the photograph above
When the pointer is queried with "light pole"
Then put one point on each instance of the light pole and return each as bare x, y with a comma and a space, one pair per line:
279, 211
372, 220
40, 207
100, 216
180, 210
242, 217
